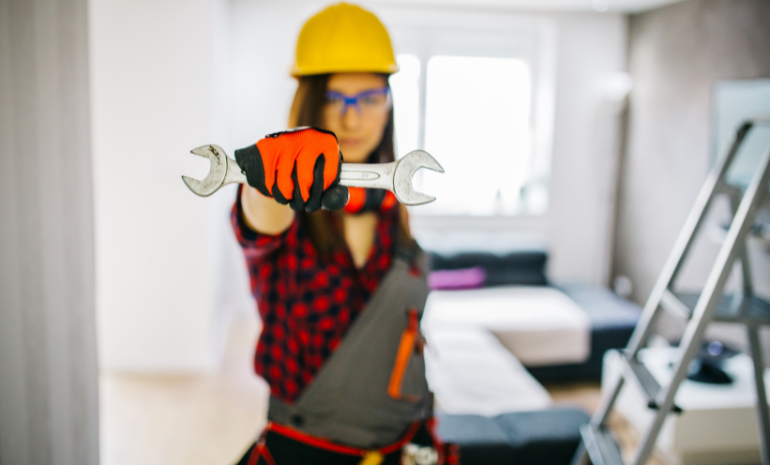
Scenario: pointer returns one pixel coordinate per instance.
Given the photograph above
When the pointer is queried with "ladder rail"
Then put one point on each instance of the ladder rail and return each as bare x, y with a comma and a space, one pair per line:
684, 242
602, 413
720, 185
709, 300
763, 415
748, 288
600, 417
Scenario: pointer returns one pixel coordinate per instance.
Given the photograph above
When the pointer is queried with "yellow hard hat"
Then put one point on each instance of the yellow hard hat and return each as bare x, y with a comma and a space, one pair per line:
343, 38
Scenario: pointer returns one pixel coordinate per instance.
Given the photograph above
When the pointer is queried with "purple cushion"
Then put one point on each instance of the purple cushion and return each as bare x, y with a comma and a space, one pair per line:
465, 278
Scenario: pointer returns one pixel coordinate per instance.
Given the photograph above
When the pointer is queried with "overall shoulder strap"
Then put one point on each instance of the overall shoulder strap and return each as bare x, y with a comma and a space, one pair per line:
411, 253
408, 251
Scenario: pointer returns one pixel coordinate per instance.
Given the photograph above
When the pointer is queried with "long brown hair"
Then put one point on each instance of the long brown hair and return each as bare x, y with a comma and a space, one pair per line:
307, 110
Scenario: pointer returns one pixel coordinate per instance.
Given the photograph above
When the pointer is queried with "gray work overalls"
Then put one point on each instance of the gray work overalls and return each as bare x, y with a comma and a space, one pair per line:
373, 387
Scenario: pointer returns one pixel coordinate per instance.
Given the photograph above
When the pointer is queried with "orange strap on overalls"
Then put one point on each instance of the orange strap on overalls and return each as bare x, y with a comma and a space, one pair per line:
411, 340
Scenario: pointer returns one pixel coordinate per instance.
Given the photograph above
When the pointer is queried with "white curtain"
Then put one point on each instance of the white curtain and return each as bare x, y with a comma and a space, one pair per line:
48, 375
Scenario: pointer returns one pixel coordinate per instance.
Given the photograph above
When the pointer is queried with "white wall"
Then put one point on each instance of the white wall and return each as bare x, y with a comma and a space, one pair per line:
158, 73
590, 50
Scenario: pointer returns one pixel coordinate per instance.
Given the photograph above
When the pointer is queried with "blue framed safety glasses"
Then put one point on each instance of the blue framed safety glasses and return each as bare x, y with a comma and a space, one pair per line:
373, 101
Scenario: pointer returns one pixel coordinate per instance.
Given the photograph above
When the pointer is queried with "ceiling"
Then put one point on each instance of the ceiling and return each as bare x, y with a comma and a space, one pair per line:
622, 6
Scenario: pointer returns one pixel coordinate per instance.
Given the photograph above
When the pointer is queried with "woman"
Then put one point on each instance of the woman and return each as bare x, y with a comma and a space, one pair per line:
340, 289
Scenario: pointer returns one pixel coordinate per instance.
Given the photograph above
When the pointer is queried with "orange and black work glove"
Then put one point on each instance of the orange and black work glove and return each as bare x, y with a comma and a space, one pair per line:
299, 167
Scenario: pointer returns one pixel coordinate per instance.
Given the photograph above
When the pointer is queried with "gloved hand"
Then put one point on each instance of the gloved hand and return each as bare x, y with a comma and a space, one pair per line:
300, 167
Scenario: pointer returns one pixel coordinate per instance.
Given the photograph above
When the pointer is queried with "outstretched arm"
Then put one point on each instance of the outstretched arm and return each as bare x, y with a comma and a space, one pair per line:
263, 214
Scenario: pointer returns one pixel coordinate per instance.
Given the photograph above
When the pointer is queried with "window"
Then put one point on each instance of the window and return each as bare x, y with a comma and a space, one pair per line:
479, 101
477, 119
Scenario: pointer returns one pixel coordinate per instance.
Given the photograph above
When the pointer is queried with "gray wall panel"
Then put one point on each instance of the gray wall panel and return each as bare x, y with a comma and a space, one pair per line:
676, 55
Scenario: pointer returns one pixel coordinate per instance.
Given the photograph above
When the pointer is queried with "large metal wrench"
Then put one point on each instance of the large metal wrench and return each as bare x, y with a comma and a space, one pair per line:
395, 176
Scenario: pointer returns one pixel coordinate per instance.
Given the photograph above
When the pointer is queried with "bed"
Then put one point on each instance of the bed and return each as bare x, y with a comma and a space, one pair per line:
558, 331
487, 403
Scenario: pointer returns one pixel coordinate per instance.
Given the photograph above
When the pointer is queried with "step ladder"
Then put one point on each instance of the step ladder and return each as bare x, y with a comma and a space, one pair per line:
698, 310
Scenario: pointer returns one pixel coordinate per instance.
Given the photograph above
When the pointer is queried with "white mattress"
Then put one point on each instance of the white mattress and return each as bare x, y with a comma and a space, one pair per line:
539, 325
470, 372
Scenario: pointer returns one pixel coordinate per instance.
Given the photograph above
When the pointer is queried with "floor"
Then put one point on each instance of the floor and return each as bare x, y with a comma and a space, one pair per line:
192, 420
211, 419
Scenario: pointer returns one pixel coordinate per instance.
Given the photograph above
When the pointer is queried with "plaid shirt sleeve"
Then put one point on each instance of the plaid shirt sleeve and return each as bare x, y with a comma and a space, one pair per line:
256, 246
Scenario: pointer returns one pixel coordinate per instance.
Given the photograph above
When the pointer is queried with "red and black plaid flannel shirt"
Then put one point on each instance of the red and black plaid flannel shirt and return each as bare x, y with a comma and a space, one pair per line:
306, 304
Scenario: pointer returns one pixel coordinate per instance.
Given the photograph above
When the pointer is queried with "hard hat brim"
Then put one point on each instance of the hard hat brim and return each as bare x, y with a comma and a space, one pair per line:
353, 68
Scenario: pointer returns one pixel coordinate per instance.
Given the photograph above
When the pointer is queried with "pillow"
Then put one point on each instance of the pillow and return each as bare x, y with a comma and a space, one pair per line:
465, 278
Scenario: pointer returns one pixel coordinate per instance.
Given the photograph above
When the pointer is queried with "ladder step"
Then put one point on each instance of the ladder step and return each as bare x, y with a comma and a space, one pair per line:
637, 372
674, 305
750, 311
600, 446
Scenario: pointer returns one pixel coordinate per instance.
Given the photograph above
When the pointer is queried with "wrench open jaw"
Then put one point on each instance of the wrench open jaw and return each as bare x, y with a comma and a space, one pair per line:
224, 170
407, 167
395, 176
